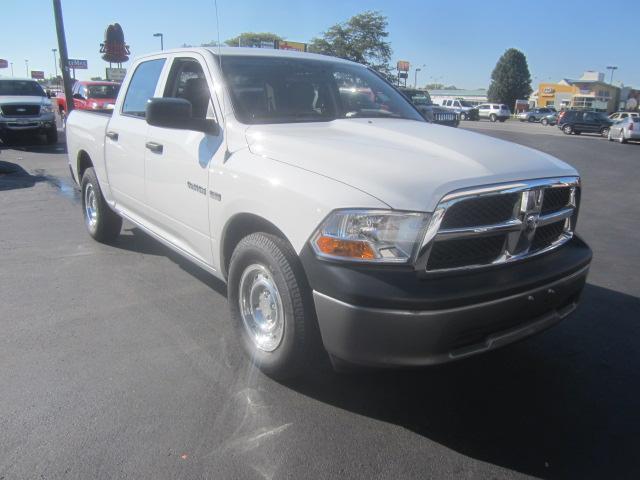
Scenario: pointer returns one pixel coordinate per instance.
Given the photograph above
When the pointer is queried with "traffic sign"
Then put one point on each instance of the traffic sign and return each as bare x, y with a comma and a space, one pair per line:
37, 74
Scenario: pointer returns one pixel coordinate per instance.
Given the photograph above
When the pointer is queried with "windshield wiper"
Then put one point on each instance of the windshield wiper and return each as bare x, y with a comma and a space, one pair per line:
372, 113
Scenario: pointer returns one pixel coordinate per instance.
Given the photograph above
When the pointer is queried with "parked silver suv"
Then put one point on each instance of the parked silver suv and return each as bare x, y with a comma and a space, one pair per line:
25, 108
494, 111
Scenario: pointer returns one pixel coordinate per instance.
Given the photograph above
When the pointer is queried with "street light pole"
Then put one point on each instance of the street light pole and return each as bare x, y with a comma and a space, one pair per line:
55, 66
11, 68
64, 58
415, 78
612, 68
161, 39
26, 64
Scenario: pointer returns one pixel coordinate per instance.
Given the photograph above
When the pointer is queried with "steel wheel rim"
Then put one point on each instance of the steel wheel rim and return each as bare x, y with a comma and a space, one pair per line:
91, 207
261, 308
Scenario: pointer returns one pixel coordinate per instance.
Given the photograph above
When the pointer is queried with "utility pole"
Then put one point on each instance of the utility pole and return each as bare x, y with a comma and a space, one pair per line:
415, 77
26, 64
64, 58
11, 68
55, 66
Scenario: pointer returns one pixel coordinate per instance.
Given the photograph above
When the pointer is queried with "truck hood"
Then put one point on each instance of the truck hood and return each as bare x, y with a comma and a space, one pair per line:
23, 100
406, 164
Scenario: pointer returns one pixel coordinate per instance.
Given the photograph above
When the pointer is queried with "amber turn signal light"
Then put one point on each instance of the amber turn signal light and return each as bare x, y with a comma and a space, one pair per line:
345, 248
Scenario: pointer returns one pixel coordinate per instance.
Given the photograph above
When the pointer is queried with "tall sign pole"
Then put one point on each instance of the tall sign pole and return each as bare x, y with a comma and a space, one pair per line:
64, 58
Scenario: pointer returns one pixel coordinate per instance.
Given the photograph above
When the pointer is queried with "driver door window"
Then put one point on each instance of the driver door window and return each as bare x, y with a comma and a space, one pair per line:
187, 81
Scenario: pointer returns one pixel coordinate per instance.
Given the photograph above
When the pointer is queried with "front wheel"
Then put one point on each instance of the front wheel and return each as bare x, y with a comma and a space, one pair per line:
567, 129
103, 224
271, 305
493, 117
604, 132
544, 122
463, 116
532, 119
621, 138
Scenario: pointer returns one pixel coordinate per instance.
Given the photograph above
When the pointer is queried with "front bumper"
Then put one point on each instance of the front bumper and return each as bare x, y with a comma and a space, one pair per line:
27, 124
403, 319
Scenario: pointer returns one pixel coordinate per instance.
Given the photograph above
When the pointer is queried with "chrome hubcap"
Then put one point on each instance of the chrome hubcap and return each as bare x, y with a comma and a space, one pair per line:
91, 207
261, 307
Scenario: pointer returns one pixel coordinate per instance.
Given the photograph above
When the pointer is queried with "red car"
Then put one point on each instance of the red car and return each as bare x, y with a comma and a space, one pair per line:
91, 96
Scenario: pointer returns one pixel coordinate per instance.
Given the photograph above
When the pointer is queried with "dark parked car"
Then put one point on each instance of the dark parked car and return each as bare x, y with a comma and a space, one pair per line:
577, 122
431, 112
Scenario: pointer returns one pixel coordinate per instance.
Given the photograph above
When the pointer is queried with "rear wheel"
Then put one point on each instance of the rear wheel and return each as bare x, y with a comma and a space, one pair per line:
567, 129
103, 224
544, 122
52, 136
493, 117
271, 305
532, 119
463, 116
621, 138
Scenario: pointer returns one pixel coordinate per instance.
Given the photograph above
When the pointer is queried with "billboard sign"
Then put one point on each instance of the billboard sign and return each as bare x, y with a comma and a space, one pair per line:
403, 66
37, 74
3, 63
287, 45
116, 74
267, 44
77, 64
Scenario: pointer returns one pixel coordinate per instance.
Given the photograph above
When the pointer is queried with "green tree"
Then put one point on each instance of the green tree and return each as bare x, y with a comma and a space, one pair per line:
250, 39
362, 39
510, 79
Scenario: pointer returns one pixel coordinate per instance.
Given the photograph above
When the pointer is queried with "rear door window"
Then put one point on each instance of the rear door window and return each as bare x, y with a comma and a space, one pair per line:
142, 87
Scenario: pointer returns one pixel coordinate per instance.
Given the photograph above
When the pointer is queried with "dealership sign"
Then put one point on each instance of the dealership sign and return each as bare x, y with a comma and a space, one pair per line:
116, 74
286, 45
548, 90
3, 63
37, 74
77, 64
114, 50
403, 66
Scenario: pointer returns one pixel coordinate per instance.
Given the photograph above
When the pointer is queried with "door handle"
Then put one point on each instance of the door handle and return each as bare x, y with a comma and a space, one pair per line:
113, 136
154, 147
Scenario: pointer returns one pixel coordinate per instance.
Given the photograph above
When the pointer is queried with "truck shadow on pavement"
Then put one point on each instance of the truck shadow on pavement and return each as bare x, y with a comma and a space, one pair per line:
13, 176
563, 404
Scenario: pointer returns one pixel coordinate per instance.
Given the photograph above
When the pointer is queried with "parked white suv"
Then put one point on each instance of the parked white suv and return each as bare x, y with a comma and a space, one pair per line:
494, 111
337, 216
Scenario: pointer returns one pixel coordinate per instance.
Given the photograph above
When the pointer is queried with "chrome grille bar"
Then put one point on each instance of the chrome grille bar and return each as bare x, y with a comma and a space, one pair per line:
519, 231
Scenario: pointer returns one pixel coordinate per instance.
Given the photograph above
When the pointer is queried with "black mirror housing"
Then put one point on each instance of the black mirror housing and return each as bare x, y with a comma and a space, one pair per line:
177, 113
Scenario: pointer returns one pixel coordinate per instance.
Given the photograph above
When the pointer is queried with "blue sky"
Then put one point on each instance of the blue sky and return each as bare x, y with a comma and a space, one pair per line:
458, 42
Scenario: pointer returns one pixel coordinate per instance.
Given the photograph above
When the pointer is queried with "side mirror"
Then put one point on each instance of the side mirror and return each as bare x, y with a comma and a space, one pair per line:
78, 96
177, 113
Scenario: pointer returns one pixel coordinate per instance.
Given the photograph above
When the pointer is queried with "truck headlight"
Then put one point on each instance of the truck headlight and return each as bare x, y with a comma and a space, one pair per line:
378, 236
47, 108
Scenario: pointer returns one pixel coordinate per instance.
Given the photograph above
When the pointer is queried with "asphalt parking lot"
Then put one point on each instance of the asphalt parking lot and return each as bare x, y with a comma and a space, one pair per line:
119, 361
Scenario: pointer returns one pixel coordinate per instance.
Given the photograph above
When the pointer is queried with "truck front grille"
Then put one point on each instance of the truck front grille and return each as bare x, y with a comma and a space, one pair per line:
500, 224
14, 110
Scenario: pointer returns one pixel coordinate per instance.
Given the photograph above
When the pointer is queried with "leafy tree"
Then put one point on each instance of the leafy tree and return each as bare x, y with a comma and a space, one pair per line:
249, 39
361, 39
510, 79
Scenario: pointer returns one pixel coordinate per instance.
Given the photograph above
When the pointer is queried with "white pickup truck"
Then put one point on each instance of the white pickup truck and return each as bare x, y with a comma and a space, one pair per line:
337, 216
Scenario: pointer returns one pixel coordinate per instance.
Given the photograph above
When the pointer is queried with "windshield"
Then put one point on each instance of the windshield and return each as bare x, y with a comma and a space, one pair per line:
102, 91
283, 90
418, 97
21, 87
464, 103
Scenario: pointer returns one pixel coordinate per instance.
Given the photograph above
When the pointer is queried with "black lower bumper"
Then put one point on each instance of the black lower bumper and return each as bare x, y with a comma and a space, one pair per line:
26, 126
387, 317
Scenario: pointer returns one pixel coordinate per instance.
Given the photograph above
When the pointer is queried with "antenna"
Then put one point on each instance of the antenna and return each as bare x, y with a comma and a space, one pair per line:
215, 3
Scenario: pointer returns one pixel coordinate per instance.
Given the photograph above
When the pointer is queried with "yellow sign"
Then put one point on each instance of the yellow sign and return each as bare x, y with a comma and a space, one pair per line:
287, 45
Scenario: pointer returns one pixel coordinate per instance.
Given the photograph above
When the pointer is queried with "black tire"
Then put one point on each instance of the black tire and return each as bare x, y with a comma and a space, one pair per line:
567, 129
621, 138
544, 122
107, 224
502, 120
298, 344
493, 117
604, 132
532, 119
52, 136
463, 116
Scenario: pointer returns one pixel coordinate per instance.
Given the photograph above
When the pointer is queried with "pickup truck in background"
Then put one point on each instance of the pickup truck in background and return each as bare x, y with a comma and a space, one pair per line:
25, 110
336, 219
431, 112
93, 95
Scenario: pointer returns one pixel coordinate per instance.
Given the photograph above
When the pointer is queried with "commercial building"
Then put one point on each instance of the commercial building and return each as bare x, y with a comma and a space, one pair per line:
589, 92
475, 97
